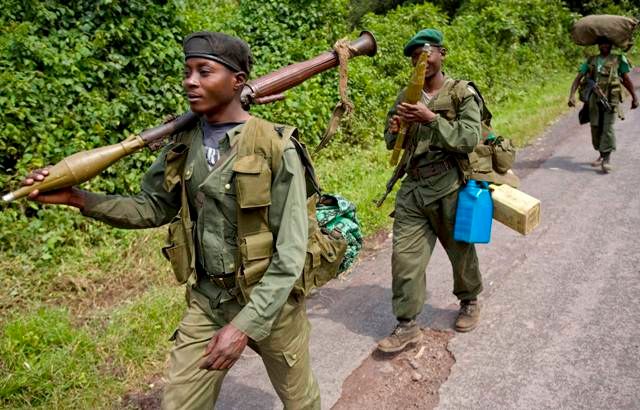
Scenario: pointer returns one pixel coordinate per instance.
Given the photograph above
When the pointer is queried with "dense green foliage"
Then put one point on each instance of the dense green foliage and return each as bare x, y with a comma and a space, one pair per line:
83, 74
76, 75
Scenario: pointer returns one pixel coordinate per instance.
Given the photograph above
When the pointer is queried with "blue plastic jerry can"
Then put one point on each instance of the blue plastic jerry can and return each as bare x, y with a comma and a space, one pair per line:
474, 213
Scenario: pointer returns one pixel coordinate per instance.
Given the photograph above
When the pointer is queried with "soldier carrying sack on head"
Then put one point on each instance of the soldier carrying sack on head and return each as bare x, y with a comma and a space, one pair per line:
445, 124
599, 79
229, 164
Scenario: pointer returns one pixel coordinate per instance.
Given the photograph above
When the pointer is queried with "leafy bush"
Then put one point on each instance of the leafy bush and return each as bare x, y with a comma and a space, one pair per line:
74, 76
88, 73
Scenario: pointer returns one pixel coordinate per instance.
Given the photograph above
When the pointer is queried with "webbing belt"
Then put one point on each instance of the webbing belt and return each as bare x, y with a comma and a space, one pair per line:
432, 169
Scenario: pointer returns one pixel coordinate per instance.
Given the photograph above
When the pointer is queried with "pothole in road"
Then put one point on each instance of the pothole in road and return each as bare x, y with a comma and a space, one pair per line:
407, 380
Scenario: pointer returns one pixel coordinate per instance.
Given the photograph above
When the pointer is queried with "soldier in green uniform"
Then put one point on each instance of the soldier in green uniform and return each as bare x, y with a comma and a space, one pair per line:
224, 315
606, 71
445, 124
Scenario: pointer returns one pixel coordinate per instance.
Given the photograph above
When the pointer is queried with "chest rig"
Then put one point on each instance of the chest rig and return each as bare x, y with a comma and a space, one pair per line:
260, 147
607, 77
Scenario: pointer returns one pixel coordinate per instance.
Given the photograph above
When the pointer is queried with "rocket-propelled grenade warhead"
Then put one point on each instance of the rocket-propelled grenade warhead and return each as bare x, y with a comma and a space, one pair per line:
85, 165
79, 167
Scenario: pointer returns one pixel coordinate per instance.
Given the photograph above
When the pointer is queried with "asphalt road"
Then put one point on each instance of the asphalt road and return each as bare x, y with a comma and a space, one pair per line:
561, 313
561, 326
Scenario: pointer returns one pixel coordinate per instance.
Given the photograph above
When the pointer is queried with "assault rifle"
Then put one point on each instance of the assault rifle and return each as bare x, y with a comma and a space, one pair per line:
592, 86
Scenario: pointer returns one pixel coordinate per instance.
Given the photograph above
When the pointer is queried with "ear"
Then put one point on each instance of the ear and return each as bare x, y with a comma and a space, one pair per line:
239, 80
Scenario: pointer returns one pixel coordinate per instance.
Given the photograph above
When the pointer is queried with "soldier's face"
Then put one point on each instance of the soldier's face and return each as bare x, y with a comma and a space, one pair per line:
210, 86
435, 60
605, 48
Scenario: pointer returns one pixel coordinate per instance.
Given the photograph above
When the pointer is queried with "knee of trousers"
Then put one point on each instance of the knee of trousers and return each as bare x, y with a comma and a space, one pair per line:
199, 392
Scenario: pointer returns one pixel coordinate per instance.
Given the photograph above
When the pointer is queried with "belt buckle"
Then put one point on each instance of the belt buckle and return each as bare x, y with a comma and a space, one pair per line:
223, 281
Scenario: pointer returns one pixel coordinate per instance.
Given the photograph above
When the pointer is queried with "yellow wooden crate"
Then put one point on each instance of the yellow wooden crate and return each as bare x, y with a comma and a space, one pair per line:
515, 209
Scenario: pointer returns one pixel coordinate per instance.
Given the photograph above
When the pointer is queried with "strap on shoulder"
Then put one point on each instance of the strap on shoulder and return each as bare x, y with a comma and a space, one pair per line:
460, 89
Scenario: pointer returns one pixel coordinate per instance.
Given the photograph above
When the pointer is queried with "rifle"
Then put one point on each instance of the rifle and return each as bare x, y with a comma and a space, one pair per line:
84, 165
593, 87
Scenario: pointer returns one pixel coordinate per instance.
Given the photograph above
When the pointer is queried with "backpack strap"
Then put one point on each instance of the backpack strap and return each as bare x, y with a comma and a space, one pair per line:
313, 186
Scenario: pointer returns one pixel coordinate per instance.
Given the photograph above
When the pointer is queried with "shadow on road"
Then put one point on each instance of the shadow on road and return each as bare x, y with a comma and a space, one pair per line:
372, 316
561, 162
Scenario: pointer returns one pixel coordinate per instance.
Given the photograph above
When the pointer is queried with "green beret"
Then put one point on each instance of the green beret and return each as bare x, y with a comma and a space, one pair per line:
429, 35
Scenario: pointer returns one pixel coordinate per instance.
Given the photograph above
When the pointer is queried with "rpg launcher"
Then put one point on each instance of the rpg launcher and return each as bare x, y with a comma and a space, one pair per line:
84, 165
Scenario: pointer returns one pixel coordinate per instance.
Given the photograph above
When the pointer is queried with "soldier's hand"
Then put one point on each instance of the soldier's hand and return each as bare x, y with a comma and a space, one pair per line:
634, 103
224, 349
64, 196
572, 102
416, 113
394, 124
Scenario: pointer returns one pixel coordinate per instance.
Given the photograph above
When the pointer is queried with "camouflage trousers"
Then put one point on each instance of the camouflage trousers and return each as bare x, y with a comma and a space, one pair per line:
603, 138
415, 230
285, 354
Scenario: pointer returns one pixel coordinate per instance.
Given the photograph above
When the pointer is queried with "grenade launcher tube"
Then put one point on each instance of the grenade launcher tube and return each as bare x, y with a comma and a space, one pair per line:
84, 165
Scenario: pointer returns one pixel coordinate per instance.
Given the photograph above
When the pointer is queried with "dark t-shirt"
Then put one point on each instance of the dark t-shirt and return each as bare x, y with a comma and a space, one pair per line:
213, 133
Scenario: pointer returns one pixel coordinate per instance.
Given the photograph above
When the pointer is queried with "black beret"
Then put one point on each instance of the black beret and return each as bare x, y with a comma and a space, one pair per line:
231, 51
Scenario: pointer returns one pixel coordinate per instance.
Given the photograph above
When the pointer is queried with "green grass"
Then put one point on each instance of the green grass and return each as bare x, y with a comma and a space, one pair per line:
81, 330
49, 361
526, 115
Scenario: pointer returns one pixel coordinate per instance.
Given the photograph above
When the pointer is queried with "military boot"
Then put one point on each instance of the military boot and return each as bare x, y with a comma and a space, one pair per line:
606, 165
404, 334
468, 316
597, 162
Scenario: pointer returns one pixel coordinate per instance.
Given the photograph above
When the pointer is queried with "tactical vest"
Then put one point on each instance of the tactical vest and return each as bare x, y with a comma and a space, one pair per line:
492, 158
607, 78
260, 147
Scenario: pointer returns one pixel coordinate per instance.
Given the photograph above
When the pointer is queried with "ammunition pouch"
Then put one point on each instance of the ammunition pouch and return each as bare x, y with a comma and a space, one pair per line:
585, 88
253, 181
490, 162
256, 251
179, 248
503, 155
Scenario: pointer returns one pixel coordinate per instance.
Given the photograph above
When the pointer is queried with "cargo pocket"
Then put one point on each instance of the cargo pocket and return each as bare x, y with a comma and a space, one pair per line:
503, 156
291, 358
480, 159
178, 249
253, 181
256, 251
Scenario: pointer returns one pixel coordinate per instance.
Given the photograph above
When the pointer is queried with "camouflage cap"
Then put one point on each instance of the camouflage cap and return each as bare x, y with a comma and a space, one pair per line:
230, 51
429, 35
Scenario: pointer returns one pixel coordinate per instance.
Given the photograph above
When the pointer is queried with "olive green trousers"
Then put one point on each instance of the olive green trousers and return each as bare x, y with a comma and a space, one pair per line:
415, 230
285, 354
603, 138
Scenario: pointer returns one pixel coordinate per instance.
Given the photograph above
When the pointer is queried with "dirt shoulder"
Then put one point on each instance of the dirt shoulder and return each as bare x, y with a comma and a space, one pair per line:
407, 380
